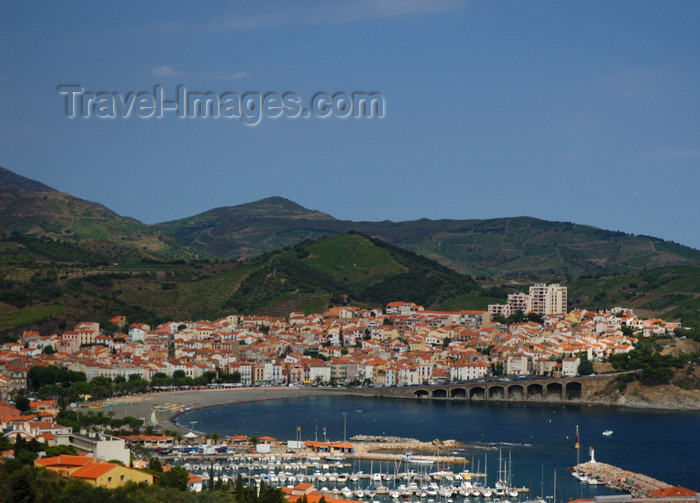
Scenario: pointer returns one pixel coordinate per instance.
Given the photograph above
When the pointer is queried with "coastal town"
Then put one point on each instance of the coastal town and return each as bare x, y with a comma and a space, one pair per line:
400, 345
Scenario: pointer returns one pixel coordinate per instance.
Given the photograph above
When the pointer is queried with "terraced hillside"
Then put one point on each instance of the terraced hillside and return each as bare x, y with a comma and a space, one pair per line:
510, 248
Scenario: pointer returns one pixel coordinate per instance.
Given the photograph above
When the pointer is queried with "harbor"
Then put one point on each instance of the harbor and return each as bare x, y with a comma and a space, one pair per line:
352, 479
539, 437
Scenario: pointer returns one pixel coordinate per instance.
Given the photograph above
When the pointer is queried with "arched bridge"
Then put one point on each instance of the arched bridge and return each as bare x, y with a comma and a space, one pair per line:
537, 389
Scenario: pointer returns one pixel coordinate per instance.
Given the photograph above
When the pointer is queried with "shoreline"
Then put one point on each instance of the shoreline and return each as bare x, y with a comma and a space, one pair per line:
141, 406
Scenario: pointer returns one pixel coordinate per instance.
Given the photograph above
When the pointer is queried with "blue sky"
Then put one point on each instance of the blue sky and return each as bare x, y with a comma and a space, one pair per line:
576, 111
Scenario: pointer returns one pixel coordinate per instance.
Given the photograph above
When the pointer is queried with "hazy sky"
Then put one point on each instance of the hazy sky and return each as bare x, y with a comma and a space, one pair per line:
577, 111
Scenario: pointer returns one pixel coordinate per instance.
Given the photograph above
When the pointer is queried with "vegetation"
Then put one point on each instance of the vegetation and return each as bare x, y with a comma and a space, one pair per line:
652, 367
21, 482
672, 293
511, 248
366, 270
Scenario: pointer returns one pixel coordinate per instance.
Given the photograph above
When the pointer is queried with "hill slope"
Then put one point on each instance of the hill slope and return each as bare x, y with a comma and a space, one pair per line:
672, 293
30, 208
46, 281
518, 247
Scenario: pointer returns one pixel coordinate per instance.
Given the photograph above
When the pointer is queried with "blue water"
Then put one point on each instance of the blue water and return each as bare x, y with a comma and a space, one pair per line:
539, 438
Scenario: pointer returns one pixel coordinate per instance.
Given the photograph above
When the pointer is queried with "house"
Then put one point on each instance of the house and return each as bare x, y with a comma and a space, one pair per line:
93, 471
569, 366
110, 475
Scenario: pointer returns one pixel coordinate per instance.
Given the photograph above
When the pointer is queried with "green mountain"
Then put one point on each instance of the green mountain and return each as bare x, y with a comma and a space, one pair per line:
511, 248
672, 293
64, 258
311, 275
46, 281
250, 229
30, 208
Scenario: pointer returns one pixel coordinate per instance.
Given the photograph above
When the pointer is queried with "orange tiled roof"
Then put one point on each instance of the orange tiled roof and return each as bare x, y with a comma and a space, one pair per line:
93, 470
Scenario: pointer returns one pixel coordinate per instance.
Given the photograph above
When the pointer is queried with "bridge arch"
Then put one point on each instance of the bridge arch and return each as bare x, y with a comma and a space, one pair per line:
574, 390
477, 393
516, 392
459, 393
421, 393
496, 392
439, 393
535, 392
554, 391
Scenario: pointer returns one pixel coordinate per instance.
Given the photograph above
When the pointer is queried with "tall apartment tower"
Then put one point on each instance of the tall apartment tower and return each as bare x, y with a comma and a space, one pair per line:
548, 299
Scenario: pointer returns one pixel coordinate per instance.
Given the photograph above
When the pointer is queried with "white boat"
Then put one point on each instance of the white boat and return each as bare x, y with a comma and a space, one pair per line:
394, 495
422, 460
607, 433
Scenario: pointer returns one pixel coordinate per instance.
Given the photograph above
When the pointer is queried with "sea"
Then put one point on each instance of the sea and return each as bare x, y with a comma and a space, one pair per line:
536, 439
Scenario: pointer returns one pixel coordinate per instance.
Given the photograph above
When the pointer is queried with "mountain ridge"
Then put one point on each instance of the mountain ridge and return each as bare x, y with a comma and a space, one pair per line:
507, 248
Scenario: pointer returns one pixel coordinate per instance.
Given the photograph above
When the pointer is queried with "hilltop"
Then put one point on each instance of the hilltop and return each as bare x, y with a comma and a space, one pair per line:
500, 248
66, 257
508, 248
30, 208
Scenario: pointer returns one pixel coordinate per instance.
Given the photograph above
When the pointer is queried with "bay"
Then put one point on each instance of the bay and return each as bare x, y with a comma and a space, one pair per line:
538, 437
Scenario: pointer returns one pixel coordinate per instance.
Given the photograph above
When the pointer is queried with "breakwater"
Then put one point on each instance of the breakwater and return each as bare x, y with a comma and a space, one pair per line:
638, 485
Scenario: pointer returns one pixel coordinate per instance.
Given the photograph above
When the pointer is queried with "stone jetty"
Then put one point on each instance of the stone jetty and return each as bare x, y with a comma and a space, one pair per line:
392, 448
638, 485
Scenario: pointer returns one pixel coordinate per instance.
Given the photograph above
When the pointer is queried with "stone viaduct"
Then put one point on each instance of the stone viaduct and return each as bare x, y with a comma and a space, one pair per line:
527, 390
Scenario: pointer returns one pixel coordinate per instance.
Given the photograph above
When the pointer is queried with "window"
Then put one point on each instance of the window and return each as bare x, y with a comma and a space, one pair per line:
121, 478
109, 479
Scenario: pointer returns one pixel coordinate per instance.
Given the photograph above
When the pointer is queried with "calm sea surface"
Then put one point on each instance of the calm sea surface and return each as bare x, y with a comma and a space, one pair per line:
538, 438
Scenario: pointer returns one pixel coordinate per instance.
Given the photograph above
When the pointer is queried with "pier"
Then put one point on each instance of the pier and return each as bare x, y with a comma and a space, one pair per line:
636, 484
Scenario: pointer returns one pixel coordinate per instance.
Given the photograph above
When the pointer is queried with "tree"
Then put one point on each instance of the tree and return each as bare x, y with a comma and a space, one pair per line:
176, 477
155, 465
238, 490
22, 403
22, 487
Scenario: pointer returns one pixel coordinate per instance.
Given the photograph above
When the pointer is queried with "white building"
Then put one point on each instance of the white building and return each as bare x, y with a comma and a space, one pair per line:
469, 371
548, 299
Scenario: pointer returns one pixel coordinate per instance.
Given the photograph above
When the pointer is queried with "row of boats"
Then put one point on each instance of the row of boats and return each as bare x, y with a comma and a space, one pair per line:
440, 483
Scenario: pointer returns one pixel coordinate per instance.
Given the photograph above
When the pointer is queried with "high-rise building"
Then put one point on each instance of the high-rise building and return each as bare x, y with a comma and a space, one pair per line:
548, 299
542, 299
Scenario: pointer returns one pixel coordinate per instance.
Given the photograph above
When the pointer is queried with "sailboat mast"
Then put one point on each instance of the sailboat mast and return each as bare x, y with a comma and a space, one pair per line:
500, 465
510, 469
577, 446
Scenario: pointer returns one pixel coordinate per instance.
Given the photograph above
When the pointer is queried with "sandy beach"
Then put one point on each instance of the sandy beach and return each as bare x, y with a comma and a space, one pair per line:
169, 404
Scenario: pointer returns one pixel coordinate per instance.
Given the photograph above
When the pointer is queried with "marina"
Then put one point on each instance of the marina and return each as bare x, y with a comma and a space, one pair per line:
538, 438
396, 481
